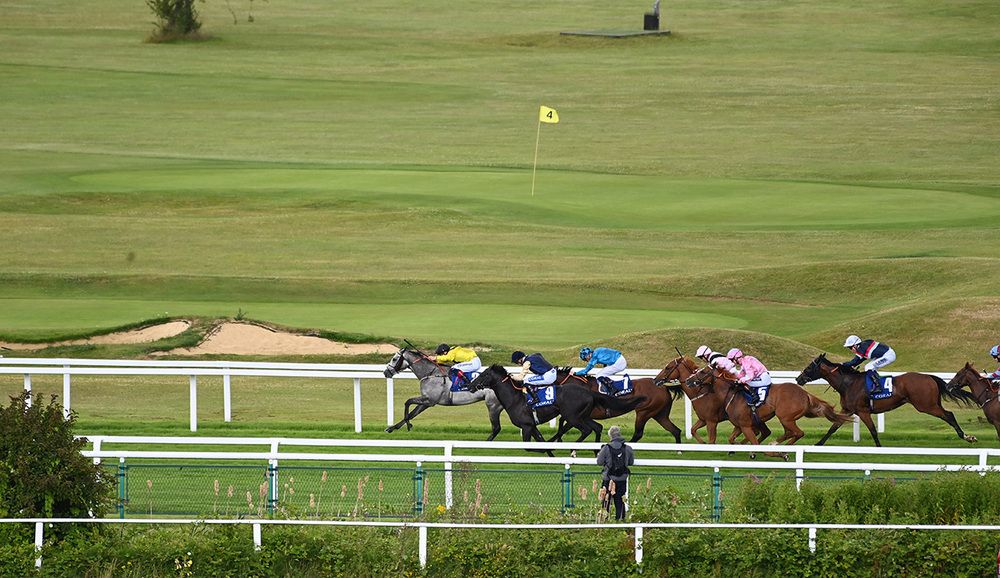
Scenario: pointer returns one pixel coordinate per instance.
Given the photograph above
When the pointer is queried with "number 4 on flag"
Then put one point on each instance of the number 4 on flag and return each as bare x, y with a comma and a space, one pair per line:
549, 115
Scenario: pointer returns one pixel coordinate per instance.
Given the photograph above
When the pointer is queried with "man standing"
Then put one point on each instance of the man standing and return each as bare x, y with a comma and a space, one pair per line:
615, 457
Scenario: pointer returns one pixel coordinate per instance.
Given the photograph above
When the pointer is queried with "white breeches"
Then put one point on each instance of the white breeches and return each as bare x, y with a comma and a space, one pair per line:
886, 359
471, 366
609, 370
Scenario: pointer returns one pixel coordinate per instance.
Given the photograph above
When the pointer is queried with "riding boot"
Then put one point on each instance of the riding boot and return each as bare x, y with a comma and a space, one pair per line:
606, 383
872, 376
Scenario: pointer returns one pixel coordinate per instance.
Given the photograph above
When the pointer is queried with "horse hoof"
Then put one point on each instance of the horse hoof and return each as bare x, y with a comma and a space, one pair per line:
753, 456
572, 454
388, 430
409, 426
731, 453
784, 457
971, 439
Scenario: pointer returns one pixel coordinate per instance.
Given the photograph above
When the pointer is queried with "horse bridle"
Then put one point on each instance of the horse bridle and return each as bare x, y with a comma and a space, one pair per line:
988, 391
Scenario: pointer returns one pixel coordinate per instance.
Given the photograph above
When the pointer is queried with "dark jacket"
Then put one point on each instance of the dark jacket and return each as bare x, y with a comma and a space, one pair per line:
539, 365
867, 349
604, 457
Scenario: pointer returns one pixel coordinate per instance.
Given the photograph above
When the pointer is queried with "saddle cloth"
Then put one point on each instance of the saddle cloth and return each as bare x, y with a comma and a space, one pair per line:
617, 388
886, 391
546, 397
462, 383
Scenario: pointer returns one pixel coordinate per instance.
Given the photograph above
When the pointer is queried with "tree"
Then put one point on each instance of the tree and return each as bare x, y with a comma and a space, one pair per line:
42, 472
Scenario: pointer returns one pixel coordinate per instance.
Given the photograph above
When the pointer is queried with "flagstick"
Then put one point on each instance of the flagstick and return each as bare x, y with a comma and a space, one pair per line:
535, 165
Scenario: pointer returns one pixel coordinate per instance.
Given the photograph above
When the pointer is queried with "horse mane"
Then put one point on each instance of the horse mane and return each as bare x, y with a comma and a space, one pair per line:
498, 368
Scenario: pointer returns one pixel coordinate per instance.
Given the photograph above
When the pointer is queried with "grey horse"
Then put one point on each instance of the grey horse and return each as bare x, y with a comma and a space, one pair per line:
435, 389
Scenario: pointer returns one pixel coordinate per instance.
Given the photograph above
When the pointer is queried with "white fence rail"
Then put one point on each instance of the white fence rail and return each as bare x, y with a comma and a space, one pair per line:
423, 527
228, 369
447, 455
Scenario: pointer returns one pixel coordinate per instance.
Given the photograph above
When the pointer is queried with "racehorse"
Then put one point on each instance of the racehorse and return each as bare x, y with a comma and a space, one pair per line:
982, 390
657, 405
575, 403
708, 404
435, 389
920, 389
786, 401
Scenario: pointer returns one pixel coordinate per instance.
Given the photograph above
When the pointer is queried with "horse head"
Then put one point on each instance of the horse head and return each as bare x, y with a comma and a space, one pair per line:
672, 371
491, 377
395, 364
966, 376
814, 370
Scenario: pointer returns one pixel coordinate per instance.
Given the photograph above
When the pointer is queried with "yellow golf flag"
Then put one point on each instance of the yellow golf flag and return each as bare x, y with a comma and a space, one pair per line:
549, 115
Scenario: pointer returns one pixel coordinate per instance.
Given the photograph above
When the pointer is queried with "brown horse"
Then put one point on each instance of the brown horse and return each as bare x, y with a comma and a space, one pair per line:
922, 390
982, 389
787, 401
657, 405
708, 403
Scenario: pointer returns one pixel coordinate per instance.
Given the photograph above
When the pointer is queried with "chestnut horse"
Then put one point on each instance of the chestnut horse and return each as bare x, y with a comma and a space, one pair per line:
708, 403
657, 405
982, 389
920, 389
786, 401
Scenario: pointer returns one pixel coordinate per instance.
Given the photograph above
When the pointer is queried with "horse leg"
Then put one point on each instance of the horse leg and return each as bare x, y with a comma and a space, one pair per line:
765, 432
949, 418
793, 432
561, 430
712, 427
495, 410
531, 432
694, 430
867, 419
833, 428
418, 401
663, 418
640, 426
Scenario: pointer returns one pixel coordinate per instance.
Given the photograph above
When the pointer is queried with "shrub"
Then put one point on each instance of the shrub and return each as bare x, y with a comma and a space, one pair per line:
176, 19
42, 473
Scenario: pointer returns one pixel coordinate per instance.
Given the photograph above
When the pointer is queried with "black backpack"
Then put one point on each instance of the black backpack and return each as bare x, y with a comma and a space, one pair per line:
618, 466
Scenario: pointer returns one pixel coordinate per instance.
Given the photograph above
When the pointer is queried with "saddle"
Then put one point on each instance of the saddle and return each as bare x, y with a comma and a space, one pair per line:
460, 380
884, 389
546, 396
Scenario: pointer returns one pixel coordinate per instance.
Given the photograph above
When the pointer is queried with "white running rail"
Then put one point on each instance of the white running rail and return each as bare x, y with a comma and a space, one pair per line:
67, 367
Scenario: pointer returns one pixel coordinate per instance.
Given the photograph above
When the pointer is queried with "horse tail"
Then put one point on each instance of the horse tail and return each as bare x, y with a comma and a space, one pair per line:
616, 404
820, 408
955, 394
676, 391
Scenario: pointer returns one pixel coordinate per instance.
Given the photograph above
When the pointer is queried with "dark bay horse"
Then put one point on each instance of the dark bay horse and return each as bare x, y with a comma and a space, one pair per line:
435, 389
657, 404
575, 403
982, 389
786, 401
921, 390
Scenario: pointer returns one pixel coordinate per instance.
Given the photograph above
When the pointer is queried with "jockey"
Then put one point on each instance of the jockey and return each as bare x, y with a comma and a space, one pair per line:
877, 354
536, 372
463, 360
995, 354
715, 359
612, 360
752, 374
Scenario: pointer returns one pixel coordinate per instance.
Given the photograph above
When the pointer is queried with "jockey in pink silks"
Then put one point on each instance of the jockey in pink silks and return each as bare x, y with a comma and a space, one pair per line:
752, 374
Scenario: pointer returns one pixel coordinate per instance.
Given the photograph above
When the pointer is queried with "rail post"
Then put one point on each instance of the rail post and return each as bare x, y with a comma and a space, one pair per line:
66, 396
638, 545
448, 492
857, 428
799, 472
272, 489
256, 537
716, 495
567, 488
122, 487
812, 540
227, 398
418, 490
357, 405
423, 546
390, 401
27, 386
39, 540
194, 402
687, 417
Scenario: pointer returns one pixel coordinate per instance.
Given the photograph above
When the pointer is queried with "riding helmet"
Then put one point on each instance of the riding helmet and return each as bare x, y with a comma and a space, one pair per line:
585, 353
517, 356
703, 351
852, 340
734, 354
442, 349
995, 351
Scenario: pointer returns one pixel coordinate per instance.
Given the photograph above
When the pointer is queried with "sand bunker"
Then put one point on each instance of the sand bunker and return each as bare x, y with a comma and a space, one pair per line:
142, 335
249, 339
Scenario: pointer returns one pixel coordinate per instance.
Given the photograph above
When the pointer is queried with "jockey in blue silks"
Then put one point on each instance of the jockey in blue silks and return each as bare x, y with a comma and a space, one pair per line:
612, 360
536, 372
877, 354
